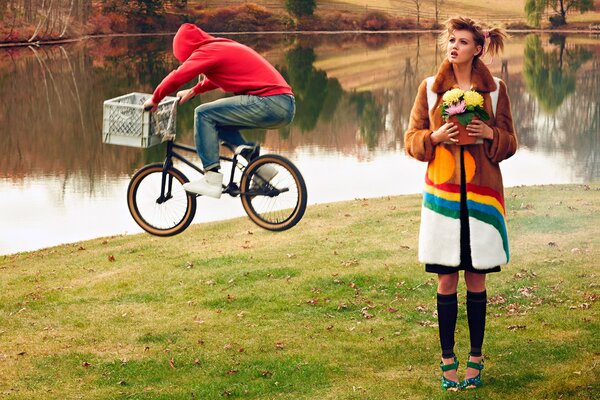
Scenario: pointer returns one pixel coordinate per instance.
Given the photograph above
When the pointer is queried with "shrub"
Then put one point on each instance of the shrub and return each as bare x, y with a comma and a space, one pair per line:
300, 8
245, 18
557, 20
111, 22
375, 21
518, 26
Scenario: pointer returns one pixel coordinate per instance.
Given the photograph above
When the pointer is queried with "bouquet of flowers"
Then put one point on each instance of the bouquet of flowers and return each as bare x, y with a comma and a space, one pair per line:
460, 106
465, 105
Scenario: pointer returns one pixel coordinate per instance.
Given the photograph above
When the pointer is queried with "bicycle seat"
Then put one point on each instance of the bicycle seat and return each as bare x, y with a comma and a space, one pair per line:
249, 152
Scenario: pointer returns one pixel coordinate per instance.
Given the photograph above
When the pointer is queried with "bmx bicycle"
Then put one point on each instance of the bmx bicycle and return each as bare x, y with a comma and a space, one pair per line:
160, 205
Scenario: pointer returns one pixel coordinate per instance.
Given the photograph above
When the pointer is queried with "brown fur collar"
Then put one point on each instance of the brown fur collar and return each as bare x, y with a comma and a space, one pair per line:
481, 78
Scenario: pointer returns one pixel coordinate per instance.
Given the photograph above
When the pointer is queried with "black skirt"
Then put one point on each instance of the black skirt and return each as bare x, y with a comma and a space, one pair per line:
465, 247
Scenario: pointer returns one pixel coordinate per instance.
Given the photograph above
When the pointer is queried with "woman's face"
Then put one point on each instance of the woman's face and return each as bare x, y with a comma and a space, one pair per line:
462, 47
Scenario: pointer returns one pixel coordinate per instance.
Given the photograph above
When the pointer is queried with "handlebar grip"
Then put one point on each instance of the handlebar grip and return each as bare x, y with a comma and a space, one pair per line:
148, 108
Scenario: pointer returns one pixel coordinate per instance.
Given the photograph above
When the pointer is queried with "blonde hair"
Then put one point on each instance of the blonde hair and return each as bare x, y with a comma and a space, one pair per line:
480, 32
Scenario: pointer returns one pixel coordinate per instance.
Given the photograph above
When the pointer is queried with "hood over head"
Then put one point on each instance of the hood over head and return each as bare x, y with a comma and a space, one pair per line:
187, 39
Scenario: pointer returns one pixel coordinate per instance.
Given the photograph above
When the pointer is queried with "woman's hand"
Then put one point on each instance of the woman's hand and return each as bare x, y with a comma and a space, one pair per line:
445, 133
478, 128
185, 95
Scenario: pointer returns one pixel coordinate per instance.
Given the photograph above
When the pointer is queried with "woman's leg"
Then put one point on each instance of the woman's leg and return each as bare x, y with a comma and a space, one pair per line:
476, 311
447, 307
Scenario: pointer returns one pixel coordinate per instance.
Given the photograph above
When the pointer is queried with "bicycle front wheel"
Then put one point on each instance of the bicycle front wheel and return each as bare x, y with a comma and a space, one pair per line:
158, 202
273, 193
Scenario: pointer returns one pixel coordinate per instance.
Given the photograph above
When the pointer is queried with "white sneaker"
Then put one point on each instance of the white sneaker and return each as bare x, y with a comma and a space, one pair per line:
210, 185
267, 173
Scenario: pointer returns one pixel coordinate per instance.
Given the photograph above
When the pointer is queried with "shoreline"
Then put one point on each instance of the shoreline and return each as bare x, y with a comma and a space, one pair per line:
310, 207
344, 32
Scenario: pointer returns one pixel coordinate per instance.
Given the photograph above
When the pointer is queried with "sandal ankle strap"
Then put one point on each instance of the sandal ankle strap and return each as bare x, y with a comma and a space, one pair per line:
448, 367
471, 364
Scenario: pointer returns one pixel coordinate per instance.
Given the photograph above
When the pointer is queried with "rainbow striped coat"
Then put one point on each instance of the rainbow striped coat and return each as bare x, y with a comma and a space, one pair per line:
439, 236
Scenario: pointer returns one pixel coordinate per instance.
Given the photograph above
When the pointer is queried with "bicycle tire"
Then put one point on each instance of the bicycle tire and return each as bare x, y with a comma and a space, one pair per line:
160, 218
279, 204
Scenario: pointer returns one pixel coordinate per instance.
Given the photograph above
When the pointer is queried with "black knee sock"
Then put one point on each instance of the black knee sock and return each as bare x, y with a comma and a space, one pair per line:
447, 307
476, 305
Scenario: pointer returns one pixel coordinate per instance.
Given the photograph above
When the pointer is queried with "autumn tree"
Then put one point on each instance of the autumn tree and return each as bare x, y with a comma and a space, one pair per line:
535, 9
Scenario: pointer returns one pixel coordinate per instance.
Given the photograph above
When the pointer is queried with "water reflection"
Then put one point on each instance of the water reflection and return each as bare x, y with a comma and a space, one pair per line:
354, 95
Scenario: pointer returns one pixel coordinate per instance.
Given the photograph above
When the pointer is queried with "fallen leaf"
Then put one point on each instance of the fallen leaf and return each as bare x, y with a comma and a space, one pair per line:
525, 291
86, 364
266, 374
365, 313
279, 346
111, 258
348, 263
172, 363
231, 372
515, 327
392, 310
497, 299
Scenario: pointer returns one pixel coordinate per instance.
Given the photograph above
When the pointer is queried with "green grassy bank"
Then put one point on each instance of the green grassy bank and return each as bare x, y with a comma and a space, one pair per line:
336, 308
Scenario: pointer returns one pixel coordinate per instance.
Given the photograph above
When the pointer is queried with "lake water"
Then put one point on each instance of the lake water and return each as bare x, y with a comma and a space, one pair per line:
354, 93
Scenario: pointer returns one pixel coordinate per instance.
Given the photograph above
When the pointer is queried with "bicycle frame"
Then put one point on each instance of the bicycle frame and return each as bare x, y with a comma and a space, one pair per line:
231, 188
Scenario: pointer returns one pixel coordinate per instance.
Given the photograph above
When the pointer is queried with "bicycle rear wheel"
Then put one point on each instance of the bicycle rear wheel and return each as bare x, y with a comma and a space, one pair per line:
158, 202
278, 201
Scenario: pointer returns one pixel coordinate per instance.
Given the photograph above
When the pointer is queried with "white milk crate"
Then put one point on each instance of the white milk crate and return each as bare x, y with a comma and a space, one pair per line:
126, 123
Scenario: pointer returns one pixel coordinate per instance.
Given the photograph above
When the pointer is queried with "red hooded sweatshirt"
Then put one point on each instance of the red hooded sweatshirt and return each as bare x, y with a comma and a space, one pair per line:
226, 64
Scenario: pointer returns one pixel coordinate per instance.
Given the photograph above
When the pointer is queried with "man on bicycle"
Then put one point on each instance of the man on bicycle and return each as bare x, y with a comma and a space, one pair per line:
262, 99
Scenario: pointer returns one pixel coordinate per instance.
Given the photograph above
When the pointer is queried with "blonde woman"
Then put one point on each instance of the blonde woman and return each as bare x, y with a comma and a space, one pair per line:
462, 219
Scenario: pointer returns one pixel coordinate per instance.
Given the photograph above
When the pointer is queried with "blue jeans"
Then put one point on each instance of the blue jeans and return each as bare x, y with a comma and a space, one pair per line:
222, 120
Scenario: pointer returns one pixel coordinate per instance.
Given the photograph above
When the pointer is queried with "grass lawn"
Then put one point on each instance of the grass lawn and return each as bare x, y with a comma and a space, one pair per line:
336, 308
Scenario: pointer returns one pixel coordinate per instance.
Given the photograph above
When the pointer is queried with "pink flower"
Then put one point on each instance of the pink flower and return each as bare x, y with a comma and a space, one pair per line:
458, 108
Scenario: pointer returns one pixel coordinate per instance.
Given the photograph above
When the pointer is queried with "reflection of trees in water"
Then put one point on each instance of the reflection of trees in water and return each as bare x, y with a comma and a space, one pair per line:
371, 114
562, 114
580, 120
319, 98
52, 97
550, 75
52, 101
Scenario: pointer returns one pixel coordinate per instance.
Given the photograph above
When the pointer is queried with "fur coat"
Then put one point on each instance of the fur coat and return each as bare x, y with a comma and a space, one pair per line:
439, 236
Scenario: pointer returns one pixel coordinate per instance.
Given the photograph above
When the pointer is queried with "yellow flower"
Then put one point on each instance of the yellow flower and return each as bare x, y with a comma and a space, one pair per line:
473, 99
452, 96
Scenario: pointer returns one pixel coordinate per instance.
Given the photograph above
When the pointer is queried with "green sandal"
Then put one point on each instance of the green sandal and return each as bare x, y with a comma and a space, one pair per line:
447, 384
475, 382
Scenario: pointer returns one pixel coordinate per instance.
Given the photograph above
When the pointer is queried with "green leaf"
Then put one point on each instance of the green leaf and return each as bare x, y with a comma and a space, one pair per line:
482, 114
465, 118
